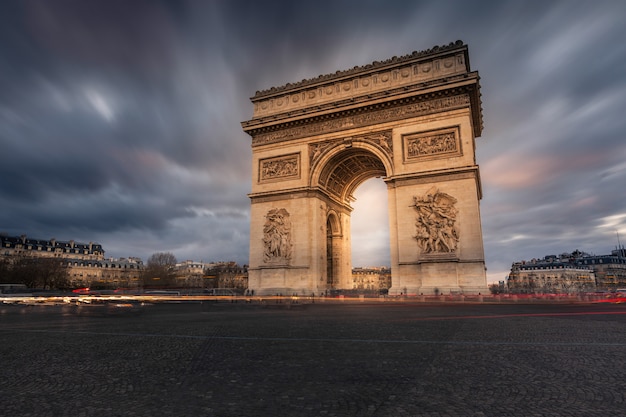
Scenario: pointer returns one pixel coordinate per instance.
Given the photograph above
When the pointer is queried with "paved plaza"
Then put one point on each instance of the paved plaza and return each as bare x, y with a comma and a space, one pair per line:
323, 359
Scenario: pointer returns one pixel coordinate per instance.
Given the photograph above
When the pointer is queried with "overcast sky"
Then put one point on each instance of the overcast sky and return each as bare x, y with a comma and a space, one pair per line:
120, 120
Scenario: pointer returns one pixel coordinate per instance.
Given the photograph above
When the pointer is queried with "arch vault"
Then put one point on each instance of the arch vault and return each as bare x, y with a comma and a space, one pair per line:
411, 121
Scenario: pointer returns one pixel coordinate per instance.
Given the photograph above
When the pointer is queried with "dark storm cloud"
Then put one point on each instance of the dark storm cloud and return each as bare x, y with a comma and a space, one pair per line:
119, 121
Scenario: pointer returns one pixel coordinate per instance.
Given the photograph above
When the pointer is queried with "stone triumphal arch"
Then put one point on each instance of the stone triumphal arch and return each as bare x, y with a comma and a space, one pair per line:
411, 121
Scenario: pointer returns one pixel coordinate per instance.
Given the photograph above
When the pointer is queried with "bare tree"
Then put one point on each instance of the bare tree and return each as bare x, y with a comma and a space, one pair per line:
5, 271
53, 273
160, 270
46, 273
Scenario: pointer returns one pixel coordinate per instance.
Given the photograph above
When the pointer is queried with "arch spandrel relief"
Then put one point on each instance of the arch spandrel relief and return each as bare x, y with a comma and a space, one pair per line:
339, 166
381, 139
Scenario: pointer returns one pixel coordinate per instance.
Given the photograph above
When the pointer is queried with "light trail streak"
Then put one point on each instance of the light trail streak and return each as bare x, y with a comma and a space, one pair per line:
321, 340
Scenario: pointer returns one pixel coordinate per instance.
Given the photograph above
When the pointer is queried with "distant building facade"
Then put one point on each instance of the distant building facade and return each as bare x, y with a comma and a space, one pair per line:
610, 269
569, 273
85, 262
106, 273
23, 246
87, 266
189, 274
371, 279
227, 275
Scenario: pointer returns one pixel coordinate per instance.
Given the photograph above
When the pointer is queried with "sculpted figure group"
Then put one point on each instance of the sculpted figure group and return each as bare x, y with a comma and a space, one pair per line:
436, 217
280, 168
432, 145
277, 236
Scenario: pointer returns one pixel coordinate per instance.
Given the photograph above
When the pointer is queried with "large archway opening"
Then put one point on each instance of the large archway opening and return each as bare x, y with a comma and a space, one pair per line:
370, 225
350, 169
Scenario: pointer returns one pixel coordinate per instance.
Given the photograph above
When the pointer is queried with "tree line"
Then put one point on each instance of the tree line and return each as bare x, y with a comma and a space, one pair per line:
54, 273
44, 273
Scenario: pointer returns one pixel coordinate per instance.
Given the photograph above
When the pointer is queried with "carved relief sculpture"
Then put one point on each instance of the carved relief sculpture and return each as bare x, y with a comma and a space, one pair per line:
444, 143
382, 139
281, 167
316, 150
436, 217
277, 236
431, 145
365, 119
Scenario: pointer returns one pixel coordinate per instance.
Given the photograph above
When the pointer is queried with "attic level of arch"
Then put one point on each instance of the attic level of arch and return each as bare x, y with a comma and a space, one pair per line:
333, 118
436, 50
421, 86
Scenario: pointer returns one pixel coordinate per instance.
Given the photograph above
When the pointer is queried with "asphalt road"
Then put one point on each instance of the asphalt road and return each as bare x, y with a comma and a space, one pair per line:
323, 359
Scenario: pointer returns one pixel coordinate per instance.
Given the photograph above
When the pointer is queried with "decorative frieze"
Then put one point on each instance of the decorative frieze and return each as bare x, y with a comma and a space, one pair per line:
397, 73
362, 119
427, 145
277, 237
436, 218
377, 64
279, 168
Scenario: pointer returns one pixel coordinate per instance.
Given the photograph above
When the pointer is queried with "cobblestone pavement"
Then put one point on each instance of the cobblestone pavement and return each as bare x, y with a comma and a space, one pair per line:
353, 359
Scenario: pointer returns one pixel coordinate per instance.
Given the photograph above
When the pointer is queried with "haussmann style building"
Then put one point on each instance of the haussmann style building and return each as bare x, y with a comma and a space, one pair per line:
569, 273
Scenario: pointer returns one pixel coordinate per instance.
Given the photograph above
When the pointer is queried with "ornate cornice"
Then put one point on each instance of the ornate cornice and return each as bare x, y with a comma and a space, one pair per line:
376, 65
418, 72
428, 177
364, 116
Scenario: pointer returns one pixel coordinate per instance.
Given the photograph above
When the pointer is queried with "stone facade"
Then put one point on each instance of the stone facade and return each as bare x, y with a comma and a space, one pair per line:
86, 264
569, 273
550, 278
373, 279
411, 121
52, 248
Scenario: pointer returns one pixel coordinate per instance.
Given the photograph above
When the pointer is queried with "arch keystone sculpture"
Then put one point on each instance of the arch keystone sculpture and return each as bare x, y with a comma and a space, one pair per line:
411, 121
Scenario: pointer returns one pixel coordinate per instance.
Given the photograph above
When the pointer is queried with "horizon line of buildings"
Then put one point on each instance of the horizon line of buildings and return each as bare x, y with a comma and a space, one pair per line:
88, 267
87, 264
566, 273
569, 273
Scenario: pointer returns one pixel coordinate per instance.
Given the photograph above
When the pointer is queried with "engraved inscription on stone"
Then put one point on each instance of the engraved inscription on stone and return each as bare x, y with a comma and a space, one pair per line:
432, 144
277, 236
282, 167
436, 218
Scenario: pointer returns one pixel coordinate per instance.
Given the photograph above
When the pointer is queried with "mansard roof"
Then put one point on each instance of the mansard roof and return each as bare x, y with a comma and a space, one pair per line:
13, 241
581, 260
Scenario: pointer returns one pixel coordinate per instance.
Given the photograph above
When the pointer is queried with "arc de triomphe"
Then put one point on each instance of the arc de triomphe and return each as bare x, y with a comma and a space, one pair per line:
411, 121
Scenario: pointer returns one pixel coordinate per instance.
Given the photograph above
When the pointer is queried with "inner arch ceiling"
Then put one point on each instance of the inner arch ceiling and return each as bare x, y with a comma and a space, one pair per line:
347, 170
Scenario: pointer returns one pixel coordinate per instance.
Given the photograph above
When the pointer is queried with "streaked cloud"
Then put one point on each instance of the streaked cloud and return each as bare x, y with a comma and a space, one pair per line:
119, 121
